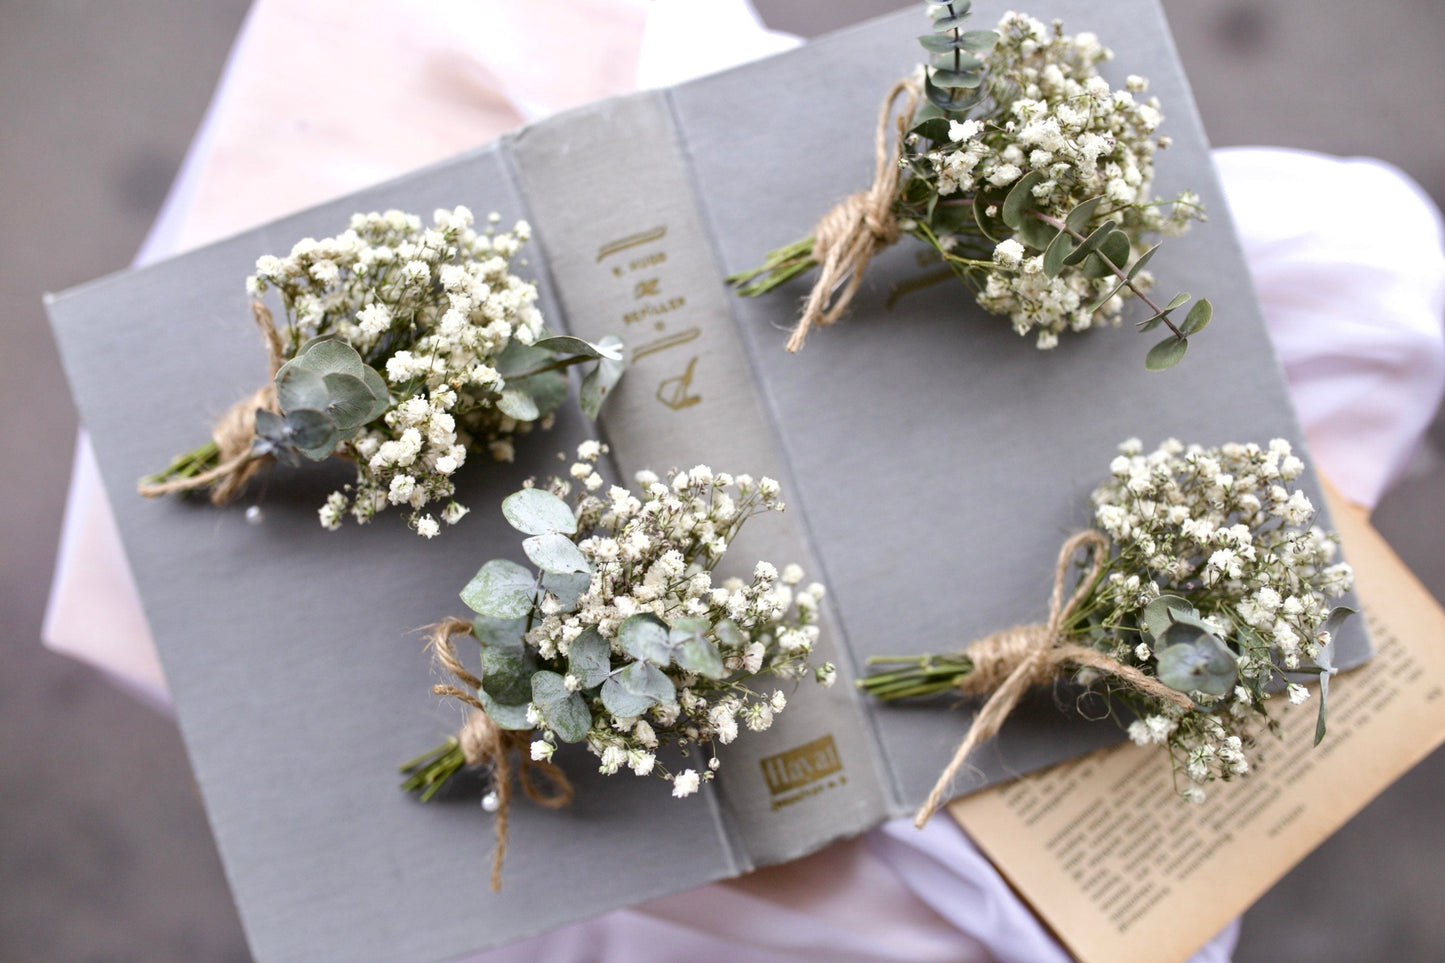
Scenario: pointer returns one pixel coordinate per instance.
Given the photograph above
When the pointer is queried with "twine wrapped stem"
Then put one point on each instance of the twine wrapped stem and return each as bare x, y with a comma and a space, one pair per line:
234, 431
482, 741
1009, 663
860, 226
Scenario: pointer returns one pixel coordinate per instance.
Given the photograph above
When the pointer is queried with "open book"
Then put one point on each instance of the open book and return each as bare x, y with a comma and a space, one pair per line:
933, 462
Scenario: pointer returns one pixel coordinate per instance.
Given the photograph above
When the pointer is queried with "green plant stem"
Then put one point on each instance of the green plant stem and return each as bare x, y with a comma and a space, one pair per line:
561, 364
781, 266
920, 675
1057, 224
200, 459
430, 771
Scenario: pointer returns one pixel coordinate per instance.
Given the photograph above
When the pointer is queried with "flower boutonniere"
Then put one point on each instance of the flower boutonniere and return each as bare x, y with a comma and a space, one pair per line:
405, 350
1026, 172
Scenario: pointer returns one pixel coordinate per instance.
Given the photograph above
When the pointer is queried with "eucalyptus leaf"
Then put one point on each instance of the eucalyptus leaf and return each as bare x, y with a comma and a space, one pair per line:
993, 228
1116, 248
729, 634
298, 387
536, 511
603, 377
564, 712
568, 587
1021, 199
350, 400
516, 403
1080, 216
312, 432
642, 679
1056, 253
566, 344
499, 633
555, 552
701, 656
506, 673
951, 79
1166, 354
589, 658
379, 392
1190, 659
506, 716
501, 589
1156, 616
645, 636
974, 41
1089, 244
621, 703
1199, 315
1036, 234
329, 354
949, 21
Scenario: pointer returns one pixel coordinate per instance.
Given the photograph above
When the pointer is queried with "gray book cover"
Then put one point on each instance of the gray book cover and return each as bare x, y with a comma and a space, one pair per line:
933, 462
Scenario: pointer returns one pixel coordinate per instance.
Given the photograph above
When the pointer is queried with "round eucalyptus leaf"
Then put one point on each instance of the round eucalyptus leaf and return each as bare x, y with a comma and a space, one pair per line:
1156, 616
499, 633
589, 658
312, 432
687, 628
350, 400
1166, 354
1091, 243
1199, 315
642, 679
504, 715
380, 394
702, 657
1116, 248
516, 403
1080, 216
555, 552
1021, 199
298, 387
622, 703
536, 511
951, 79
1203, 664
568, 587
644, 636
507, 673
1055, 254
329, 354
502, 589
729, 634
565, 713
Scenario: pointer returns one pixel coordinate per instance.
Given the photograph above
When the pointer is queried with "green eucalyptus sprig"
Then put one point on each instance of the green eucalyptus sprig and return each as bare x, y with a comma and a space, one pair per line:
403, 350
1029, 177
1216, 583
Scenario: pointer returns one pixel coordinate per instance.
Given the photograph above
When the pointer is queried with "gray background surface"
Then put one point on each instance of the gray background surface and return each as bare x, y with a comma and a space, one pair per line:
106, 854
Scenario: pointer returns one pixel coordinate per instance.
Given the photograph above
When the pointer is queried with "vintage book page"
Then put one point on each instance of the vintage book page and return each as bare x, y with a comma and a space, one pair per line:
1122, 869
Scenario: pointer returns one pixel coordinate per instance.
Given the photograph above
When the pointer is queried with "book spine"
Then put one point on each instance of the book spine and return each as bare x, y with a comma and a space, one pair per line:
628, 254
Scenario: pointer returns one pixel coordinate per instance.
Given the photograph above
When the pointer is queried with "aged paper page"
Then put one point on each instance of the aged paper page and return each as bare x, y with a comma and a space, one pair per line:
1122, 869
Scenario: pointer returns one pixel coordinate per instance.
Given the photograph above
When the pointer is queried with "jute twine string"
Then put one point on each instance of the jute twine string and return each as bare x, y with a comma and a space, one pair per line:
1008, 663
483, 741
859, 227
234, 431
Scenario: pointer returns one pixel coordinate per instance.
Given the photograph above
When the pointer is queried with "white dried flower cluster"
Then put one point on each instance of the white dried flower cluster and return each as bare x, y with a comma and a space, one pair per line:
1049, 111
432, 309
1225, 529
653, 556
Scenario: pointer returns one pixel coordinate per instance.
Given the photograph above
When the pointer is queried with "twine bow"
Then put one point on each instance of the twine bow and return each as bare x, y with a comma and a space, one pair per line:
483, 741
859, 227
234, 431
1009, 663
